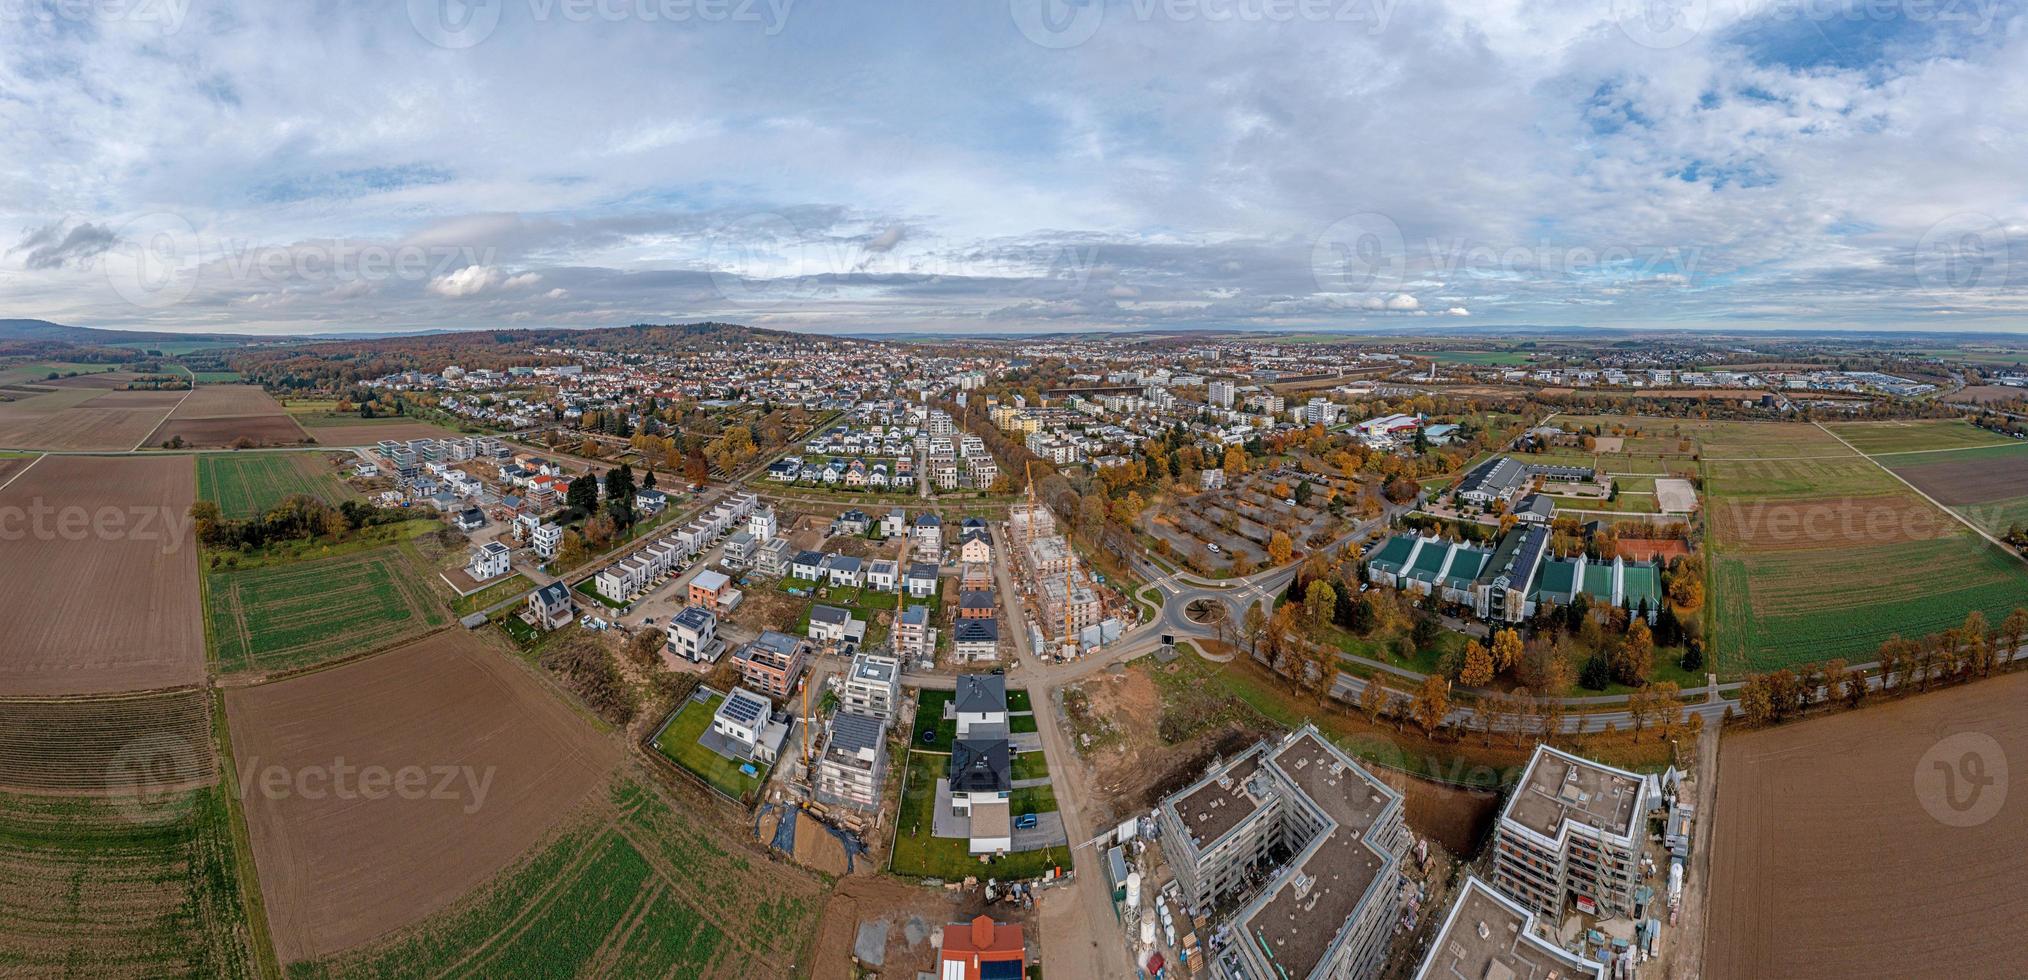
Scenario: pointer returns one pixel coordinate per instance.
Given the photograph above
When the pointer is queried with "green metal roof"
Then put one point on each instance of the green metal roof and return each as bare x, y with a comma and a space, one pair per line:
1393, 554
1556, 578
1598, 580
1465, 567
1642, 582
1427, 563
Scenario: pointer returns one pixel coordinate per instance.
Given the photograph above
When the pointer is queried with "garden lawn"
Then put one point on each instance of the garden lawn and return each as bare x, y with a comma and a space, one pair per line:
917, 853
679, 742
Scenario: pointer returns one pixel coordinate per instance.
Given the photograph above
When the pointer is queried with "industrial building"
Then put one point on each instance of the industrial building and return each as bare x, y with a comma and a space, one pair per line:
1508, 582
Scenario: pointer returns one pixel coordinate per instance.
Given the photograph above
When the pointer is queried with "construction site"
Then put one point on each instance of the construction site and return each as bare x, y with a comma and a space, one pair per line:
1068, 615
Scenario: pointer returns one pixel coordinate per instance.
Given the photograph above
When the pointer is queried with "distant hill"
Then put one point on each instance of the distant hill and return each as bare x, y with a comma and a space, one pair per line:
44, 331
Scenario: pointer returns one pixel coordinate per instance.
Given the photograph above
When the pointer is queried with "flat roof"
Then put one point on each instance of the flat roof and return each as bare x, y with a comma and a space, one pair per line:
1301, 916
1487, 937
1559, 787
1222, 800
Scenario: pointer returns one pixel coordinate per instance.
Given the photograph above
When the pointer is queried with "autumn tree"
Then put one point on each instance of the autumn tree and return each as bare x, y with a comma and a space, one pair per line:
1506, 652
1318, 604
1373, 697
1478, 666
1280, 549
1432, 703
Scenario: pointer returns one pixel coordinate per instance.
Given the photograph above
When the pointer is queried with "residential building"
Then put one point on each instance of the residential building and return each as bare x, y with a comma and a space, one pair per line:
773, 663
883, 575
693, 635
847, 572
1219, 393
1487, 934
975, 546
982, 771
928, 535
849, 769
746, 720
980, 706
977, 605
982, 950
913, 636
807, 565
739, 549
489, 560
1328, 909
1571, 832
772, 558
872, 686
708, 588
550, 606
546, 538
921, 581
835, 627
762, 525
894, 524
975, 639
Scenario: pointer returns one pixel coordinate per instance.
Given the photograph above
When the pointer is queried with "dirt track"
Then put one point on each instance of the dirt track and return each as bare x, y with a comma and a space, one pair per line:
1828, 864
102, 591
339, 872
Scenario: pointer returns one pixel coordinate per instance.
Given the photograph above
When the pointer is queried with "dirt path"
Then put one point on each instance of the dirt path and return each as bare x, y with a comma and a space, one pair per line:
1687, 960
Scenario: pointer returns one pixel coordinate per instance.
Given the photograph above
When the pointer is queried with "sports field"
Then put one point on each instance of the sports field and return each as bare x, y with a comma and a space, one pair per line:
248, 484
120, 887
633, 886
278, 617
1815, 558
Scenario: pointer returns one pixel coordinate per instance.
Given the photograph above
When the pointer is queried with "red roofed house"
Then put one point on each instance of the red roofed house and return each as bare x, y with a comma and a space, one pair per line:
982, 950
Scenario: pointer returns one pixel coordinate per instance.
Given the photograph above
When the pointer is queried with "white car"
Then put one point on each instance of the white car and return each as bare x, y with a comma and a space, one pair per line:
1213, 547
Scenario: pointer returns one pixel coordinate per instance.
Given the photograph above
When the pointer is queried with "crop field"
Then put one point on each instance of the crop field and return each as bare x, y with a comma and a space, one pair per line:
1819, 558
1915, 435
1988, 487
124, 887
215, 416
248, 485
278, 617
631, 886
351, 430
1793, 898
158, 742
478, 763
81, 416
111, 605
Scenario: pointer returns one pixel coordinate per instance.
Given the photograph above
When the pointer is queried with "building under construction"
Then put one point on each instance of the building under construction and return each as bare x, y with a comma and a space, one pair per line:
1064, 598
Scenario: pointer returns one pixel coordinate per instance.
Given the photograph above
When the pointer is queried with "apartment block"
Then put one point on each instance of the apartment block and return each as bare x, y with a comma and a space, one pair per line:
1571, 833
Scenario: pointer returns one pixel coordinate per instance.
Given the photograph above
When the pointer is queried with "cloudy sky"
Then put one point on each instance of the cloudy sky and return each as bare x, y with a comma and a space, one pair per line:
930, 165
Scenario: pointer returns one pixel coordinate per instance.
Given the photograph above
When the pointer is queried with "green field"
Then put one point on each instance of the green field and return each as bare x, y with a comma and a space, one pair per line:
1879, 561
1786, 608
287, 615
33, 371
215, 377
1916, 435
120, 887
511, 587
919, 854
248, 484
679, 742
1625, 503
636, 888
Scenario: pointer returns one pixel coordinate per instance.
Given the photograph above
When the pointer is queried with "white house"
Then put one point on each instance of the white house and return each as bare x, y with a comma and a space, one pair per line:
980, 703
489, 560
921, 580
847, 572
693, 635
883, 575
742, 717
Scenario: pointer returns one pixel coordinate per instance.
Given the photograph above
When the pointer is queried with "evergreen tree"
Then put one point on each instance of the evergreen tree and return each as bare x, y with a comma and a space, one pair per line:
1693, 655
1597, 673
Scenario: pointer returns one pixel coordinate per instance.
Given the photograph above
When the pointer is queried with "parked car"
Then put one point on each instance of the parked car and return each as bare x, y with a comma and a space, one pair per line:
1025, 821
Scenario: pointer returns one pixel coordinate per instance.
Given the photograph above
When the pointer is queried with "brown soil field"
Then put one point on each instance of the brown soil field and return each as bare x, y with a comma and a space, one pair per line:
86, 419
220, 401
104, 380
215, 415
112, 573
1980, 481
1829, 522
368, 433
157, 742
1830, 858
339, 872
265, 430
1990, 394
10, 465
1453, 816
